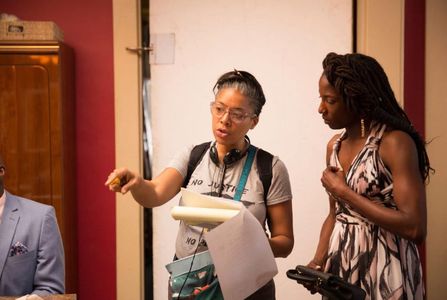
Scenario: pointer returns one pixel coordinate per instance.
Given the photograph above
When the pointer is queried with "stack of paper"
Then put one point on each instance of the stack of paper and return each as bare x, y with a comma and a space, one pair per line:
203, 210
239, 247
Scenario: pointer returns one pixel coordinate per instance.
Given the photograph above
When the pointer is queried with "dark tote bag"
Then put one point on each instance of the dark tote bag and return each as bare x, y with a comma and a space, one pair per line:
329, 285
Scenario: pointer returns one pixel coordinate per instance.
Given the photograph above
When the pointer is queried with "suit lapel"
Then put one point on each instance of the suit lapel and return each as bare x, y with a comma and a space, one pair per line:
8, 227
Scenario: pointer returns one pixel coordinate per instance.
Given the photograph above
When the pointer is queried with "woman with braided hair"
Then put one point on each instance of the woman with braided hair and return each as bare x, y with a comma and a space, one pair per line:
376, 169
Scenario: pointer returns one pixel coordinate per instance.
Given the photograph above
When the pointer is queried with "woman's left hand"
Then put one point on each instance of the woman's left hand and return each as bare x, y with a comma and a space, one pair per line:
333, 180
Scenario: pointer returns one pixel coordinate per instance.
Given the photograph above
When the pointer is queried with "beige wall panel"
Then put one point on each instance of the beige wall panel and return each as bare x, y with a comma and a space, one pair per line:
129, 229
436, 129
380, 33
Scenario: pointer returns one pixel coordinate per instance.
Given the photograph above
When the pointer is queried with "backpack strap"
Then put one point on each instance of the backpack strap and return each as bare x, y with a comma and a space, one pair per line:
264, 162
245, 171
194, 158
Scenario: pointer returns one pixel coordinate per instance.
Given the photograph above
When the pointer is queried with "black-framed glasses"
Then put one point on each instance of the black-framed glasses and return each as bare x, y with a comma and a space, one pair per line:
236, 115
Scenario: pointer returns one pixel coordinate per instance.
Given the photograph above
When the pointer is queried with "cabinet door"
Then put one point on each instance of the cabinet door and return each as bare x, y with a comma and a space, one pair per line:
37, 133
25, 130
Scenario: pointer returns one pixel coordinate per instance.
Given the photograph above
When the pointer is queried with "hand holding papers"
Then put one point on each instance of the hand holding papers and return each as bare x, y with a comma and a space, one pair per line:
205, 211
239, 247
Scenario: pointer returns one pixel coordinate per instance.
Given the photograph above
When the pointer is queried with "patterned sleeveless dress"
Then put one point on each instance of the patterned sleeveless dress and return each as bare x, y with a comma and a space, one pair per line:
382, 263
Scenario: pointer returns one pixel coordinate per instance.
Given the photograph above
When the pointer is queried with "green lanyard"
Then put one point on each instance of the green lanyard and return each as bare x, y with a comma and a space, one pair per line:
245, 172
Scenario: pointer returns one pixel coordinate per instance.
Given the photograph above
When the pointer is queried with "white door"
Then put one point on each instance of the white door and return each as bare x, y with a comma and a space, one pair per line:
283, 44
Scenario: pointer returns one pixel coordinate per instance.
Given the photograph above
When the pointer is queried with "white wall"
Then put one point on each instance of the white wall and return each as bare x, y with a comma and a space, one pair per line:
282, 43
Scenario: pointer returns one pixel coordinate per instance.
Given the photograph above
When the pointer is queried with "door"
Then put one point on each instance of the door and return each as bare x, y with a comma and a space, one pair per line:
25, 126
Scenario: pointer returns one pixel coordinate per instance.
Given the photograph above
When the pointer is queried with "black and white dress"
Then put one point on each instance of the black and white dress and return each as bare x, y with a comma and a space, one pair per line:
384, 264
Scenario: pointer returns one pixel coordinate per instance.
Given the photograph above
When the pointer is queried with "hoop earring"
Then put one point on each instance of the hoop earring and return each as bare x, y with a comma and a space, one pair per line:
362, 128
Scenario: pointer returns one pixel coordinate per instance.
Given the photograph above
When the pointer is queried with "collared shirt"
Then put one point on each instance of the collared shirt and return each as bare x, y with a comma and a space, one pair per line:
2, 205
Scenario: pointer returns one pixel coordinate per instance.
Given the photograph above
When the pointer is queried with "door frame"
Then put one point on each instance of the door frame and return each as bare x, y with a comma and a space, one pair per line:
128, 139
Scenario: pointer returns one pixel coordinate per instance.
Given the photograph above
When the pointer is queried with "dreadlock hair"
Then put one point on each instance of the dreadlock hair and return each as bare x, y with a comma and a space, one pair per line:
366, 91
246, 84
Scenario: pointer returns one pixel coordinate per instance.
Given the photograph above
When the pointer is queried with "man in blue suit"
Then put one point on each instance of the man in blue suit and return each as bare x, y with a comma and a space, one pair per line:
31, 250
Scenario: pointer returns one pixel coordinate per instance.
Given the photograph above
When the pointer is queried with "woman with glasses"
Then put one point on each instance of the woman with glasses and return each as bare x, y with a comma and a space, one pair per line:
377, 166
238, 102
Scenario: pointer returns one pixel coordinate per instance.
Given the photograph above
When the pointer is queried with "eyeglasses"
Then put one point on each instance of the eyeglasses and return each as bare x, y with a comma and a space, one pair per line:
236, 115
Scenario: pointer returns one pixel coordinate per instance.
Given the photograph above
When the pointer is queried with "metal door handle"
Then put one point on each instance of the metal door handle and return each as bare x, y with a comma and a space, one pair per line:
140, 49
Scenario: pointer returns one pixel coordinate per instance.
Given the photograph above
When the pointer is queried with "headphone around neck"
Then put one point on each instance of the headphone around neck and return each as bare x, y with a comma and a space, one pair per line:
231, 157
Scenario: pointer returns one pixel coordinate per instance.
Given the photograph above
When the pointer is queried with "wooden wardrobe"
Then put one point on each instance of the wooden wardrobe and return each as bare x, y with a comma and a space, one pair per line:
37, 132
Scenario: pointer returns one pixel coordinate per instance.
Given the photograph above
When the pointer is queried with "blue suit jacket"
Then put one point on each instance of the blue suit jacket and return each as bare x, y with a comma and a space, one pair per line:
31, 250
